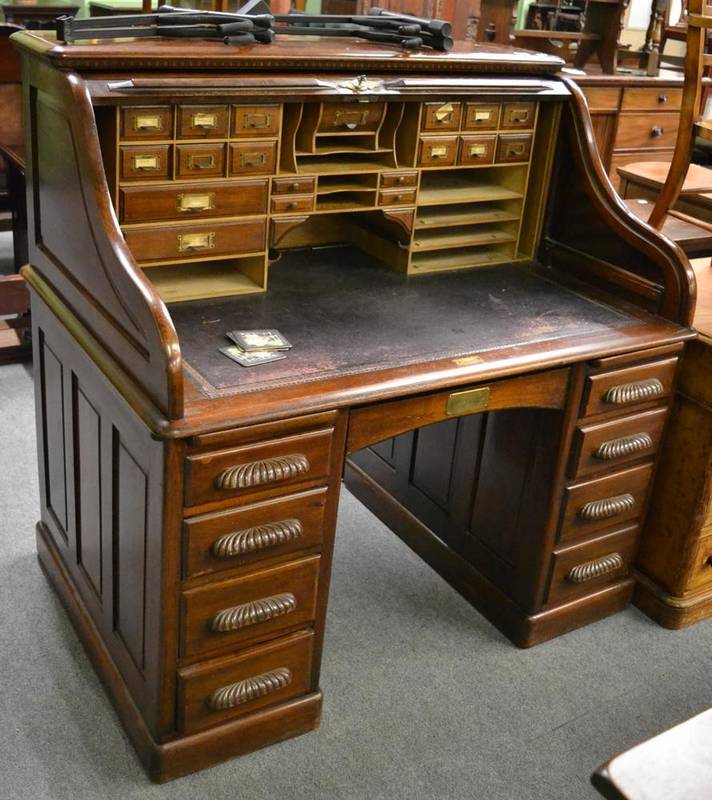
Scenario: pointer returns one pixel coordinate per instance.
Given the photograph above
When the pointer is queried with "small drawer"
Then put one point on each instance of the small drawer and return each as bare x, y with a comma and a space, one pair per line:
143, 163
513, 147
289, 203
341, 117
602, 98
517, 115
292, 185
477, 149
256, 120
438, 151
646, 98
700, 566
481, 117
200, 160
146, 122
441, 116
202, 122
604, 502
395, 180
646, 130
226, 688
229, 539
192, 201
238, 611
396, 197
608, 445
584, 568
196, 240
253, 158
627, 388
276, 464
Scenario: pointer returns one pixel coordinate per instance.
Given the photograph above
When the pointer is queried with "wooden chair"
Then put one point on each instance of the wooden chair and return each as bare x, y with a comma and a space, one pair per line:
665, 183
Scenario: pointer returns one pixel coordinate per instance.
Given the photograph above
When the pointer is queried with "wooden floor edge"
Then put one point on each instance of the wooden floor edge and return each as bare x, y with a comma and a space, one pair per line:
668, 610
164, 762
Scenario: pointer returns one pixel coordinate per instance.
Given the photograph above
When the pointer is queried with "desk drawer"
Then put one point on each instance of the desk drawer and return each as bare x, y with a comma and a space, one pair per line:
481, 117
627, 388
396, 180
253, 158
226, 688
197, 239
256, 120
608, 445
602, 98
145, 162
648, 98
477, 149
292, 185
513, 147
396, 197
518, 115
146, 122
192, 200
285, 204
441, 116
264, 466
202, 122
604, 502
262, 604
438, 151
646, 131
229, 539
200, 160
344, 117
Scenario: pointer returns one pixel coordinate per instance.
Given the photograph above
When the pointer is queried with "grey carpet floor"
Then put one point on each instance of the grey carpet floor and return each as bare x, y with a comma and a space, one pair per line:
423, 698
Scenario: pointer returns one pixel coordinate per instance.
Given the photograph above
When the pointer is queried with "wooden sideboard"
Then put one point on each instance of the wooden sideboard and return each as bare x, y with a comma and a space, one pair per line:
435, 235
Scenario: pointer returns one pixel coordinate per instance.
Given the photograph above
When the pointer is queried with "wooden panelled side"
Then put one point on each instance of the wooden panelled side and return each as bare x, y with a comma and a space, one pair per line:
53, 436
433, 460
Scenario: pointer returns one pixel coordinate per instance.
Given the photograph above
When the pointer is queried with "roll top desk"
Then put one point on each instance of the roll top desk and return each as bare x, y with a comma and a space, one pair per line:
485, 345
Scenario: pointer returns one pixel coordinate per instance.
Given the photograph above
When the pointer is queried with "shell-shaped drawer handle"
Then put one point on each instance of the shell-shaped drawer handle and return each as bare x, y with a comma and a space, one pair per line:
238, 617
597, 568
609, 507
237, 694
634, 392
625, 446
259, 537
267, 470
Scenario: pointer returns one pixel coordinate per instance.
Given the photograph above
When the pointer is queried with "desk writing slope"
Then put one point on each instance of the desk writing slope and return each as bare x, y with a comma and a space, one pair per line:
485, 343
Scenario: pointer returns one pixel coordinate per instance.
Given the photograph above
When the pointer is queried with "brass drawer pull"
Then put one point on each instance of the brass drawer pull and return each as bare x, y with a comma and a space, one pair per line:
519, 115
482, 116
257, 473
145, 162
477, 150
205, 161
634, 392
517, 149
252, 613
609, 507
204, 120
625, 446
260, 537
196, 241
444, 113
254, 159
351, 119
196, 202
148, 122
439, 151
236, 694
260, 120
597, 568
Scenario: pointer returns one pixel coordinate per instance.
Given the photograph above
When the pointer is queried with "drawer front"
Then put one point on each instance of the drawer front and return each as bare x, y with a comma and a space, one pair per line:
230, 539
183, 242
287, 203
627, 388
438, 151
396, 197
481, 117
395, 180
649, 98
256, 120
518, 115
350, 117
441, 116
200, 160
646, 130
701, 565
192, 201
477, 149
292, 185
513, 147
279, 463
608, 445
224, 689
145, 162
602, 98
146, 122
198, 122
584, 568
253, 158
604, 502
262, 604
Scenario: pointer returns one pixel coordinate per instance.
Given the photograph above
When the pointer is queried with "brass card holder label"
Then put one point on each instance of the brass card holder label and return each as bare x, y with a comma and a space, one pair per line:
439, 151
260, 120
148, 122
204, 161
519, 115
444, 113
145, 162
196, 241
468, 402
202, 119
477, 150
258, 159
482, 115
196, 202
516, 149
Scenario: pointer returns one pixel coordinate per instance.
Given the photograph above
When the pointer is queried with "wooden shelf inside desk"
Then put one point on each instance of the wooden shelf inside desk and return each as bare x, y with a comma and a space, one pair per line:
447, 216
200, 281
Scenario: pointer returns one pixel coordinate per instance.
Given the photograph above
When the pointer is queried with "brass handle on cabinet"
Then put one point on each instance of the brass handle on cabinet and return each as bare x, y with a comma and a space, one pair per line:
294, 187
252, 613
196, 202
597, 568
203, 120
444, 113
482, 116
201, 162
145, 163
519, 115
148, 122
477, 150
634, 392
257, 121
196, 241
236, 694
259, 537
515, 149
255, 159
268, 470
609, 507
438, 151
400, 179
656, 131
625, 446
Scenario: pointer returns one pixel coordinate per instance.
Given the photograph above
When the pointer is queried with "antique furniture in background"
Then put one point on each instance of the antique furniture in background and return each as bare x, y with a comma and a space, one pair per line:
446, 256
36, 16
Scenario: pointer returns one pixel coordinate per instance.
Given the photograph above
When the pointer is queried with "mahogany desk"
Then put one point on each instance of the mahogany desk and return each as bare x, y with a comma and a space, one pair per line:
442, 249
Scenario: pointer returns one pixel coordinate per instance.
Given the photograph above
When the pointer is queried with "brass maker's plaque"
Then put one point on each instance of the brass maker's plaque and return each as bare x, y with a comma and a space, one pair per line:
467, 402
